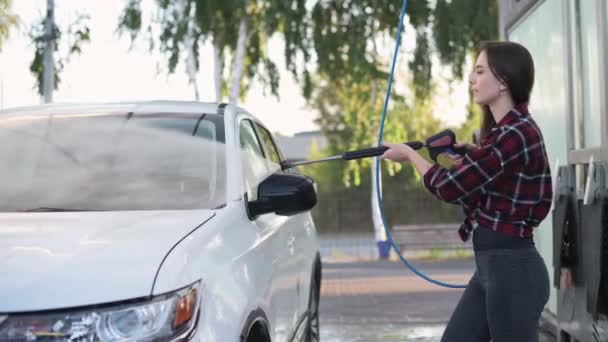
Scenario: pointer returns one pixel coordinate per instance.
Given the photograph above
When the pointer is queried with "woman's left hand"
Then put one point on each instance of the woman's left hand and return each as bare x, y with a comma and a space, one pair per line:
397, 152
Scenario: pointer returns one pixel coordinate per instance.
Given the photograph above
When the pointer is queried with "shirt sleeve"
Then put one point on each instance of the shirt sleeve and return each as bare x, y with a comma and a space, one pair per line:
478, 168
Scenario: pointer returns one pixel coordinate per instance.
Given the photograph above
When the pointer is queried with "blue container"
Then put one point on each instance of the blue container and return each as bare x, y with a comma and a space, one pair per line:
384, 248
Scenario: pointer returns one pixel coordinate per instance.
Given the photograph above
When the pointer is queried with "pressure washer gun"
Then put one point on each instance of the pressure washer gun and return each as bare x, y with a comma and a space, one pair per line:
442, 142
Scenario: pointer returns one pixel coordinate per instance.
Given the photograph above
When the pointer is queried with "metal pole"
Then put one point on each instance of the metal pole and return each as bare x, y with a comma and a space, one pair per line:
379, 231
48, 79
1, 94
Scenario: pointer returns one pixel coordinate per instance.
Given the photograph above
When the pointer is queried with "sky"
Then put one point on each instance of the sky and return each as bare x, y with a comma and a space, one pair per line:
109, 71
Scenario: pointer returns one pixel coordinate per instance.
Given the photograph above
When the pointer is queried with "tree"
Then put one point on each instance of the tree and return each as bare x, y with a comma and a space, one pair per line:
344, 33
460, 27
346, 92
351, 74
78, 33
349, 121
337, 32
349, 69
239, 29
7, 20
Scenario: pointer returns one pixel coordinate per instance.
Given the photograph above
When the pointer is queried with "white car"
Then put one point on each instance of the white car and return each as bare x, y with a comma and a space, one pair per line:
155, 221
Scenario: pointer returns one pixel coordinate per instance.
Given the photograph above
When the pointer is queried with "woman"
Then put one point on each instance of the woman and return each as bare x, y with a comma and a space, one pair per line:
504, 186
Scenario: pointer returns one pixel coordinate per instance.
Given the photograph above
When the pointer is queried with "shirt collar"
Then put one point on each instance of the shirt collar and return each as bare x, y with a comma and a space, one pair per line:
519, 111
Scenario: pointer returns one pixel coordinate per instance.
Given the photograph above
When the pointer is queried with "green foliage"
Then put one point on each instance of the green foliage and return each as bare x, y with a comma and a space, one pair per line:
337, 33
347, 70
37, 65
460, 26
7, 20
421, 66
343, 32
350, 120
78, 34
218, 21
130, 19
472, 123
342, 209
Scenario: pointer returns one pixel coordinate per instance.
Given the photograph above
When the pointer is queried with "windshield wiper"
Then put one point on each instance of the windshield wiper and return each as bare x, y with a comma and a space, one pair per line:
49, 210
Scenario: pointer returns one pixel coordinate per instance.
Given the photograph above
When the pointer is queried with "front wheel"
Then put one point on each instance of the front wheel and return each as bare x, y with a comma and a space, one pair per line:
312, 327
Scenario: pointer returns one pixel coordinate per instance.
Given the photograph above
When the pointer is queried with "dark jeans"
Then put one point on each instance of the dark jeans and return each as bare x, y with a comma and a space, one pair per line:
507, 294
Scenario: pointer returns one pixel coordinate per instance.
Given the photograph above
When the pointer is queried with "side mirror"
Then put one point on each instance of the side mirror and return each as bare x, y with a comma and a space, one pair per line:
284, 194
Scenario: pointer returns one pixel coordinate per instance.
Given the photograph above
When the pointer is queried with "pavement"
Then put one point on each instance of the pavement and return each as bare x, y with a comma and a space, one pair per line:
374, 301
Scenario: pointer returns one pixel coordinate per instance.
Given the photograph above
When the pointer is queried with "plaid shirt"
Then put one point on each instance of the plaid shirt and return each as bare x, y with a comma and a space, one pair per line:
504, 184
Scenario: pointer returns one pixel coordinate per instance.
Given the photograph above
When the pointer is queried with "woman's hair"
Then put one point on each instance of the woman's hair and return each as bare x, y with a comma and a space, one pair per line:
512, 65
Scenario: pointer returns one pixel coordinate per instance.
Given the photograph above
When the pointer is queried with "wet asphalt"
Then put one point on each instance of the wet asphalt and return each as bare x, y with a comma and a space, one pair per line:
376, 301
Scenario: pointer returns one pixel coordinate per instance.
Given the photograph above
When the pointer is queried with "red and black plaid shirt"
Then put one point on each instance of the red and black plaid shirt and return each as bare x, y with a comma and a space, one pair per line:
504, 184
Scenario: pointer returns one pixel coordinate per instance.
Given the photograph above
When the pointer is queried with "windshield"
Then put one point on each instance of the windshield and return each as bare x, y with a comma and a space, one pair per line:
111, 162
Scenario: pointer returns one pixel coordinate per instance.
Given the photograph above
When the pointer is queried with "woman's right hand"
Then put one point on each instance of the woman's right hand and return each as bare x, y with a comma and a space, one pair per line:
456, 158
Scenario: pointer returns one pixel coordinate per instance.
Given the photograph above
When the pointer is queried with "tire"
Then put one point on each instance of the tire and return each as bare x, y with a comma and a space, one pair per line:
312, 324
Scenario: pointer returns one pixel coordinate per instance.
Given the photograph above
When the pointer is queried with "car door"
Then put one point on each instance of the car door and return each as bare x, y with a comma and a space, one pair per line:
296, 228
272, 239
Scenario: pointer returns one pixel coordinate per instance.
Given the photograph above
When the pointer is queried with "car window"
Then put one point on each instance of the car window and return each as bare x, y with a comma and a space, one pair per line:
272, 154
114, 161
255, 167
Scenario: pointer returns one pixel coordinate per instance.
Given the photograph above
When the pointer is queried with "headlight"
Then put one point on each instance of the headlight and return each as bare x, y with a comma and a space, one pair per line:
165, 317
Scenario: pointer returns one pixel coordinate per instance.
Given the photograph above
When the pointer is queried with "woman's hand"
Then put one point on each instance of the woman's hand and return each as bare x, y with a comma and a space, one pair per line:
403, 153
468, 146
397, 152
457, 158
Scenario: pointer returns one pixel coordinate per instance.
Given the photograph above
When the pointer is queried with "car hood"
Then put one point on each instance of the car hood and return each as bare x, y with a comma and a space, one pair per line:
71, 259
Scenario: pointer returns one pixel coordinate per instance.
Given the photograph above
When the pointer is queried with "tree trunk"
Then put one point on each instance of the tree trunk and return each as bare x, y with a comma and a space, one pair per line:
191, 69
239, 62
48, 78
217, 68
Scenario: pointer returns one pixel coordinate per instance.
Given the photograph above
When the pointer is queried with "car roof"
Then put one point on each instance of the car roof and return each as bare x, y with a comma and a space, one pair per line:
125, 107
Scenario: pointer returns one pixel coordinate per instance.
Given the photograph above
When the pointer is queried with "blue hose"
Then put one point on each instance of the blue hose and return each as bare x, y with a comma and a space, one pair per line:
386, 99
